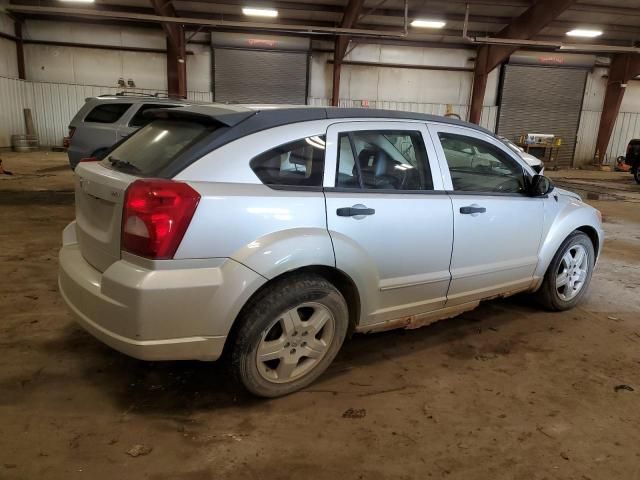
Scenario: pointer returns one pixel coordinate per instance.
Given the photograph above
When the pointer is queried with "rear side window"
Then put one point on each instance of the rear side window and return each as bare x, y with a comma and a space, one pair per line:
140, 120
107, 112
297, 164
155, 146
383, 160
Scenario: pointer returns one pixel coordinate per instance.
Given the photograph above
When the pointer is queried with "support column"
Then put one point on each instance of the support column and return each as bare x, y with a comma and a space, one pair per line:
20, 50
335, 94
177, 65
480, 76
338, 56
624, 67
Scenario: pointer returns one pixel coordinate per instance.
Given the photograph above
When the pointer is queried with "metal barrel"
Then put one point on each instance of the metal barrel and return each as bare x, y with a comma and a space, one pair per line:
24, 143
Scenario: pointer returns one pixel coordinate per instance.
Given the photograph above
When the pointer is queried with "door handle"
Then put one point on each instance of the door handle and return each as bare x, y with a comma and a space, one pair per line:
471, 209
354, 211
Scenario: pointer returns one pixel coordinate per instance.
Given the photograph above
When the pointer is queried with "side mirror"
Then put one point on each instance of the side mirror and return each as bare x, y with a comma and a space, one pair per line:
540, 186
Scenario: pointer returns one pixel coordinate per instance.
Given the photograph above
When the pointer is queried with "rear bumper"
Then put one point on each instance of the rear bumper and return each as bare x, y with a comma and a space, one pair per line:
173, 314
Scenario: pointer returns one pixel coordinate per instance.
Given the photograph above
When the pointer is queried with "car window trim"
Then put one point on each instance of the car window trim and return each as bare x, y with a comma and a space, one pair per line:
347, 127
480, 193
294, 188
386, 191
434, 128
288, 187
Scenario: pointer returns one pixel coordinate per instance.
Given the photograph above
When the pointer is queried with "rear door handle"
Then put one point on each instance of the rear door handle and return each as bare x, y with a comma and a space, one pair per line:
354, 211
471, 209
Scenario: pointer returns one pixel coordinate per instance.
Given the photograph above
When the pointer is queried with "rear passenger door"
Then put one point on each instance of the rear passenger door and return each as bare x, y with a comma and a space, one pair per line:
388, 216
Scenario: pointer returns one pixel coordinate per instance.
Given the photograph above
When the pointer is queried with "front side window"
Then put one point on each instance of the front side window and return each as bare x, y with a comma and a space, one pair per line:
478, 166
298, 164
383, 160
107, 112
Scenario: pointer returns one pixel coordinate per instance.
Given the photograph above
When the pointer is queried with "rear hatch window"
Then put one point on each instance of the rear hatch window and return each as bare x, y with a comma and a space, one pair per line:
155, 146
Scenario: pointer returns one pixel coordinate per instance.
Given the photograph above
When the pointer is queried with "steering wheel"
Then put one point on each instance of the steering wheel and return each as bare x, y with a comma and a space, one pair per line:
504, 187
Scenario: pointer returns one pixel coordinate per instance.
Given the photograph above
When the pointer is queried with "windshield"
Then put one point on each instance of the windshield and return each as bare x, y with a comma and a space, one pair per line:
155, 146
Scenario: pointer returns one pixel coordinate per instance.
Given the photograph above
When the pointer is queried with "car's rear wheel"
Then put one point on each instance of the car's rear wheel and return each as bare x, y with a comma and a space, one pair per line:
569, 273
636, 175
289, 335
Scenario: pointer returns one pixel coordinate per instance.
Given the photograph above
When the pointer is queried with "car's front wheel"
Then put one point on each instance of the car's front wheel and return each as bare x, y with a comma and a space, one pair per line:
569, 273
636, 175
289, 335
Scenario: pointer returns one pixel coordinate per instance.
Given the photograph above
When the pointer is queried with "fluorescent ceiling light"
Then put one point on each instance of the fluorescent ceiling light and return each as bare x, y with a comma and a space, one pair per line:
79, 1
260, 12
428, 23
578, 32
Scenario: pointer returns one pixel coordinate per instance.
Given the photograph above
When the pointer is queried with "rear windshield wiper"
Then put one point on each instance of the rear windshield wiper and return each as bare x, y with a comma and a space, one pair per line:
116, 162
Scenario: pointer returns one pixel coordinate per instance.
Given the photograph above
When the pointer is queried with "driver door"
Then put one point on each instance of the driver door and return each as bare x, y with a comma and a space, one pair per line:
497, 225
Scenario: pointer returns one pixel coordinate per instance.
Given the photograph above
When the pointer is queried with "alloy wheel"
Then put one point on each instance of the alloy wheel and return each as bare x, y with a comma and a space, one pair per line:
295, 342
572, 272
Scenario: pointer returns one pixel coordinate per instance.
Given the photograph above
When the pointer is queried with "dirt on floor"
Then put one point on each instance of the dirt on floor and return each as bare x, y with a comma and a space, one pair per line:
506, 391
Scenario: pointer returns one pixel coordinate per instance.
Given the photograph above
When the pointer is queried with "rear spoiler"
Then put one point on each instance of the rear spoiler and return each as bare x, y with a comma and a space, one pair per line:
207, 115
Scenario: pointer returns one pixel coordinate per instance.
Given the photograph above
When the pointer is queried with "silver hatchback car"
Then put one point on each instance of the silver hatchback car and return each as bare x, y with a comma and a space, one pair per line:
273, 234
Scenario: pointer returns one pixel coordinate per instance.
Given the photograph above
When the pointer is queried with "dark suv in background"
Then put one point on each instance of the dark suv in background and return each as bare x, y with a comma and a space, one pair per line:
107, 119
632, 158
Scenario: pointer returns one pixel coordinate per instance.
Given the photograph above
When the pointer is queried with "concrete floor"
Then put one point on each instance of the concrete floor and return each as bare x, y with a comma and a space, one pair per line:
506, 391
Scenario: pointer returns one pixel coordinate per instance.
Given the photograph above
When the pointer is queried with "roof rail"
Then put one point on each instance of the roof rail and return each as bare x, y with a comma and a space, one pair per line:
134, 94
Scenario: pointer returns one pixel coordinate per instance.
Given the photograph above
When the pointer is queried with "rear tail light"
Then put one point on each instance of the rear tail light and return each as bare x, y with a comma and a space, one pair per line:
66, 142
155, 217
89, 159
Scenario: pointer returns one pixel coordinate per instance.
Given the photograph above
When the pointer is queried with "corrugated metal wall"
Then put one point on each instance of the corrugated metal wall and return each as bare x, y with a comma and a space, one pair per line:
52, 105
627, 126
487, 120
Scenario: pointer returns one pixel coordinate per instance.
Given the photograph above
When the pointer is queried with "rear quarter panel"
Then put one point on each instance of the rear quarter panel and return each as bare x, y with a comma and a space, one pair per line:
271, 231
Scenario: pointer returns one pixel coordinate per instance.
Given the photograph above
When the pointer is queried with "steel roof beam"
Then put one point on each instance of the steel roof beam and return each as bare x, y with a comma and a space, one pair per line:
524, 27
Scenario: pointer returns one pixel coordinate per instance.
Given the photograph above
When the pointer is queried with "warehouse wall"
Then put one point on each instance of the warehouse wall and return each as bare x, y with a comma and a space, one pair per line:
87, 66
60, 78
52, 105
8, 61
627, 124
411, 89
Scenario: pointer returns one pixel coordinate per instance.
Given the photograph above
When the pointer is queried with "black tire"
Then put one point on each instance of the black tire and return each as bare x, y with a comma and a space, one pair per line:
636, 175
263, 313
548, 294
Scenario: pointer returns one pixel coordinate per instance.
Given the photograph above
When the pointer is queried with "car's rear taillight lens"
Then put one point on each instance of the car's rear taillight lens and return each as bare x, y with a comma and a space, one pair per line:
89, 159
155, 217
66, 142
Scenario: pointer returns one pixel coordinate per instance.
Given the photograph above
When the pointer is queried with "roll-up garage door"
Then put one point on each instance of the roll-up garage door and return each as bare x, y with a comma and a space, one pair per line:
542, 100
255, 76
